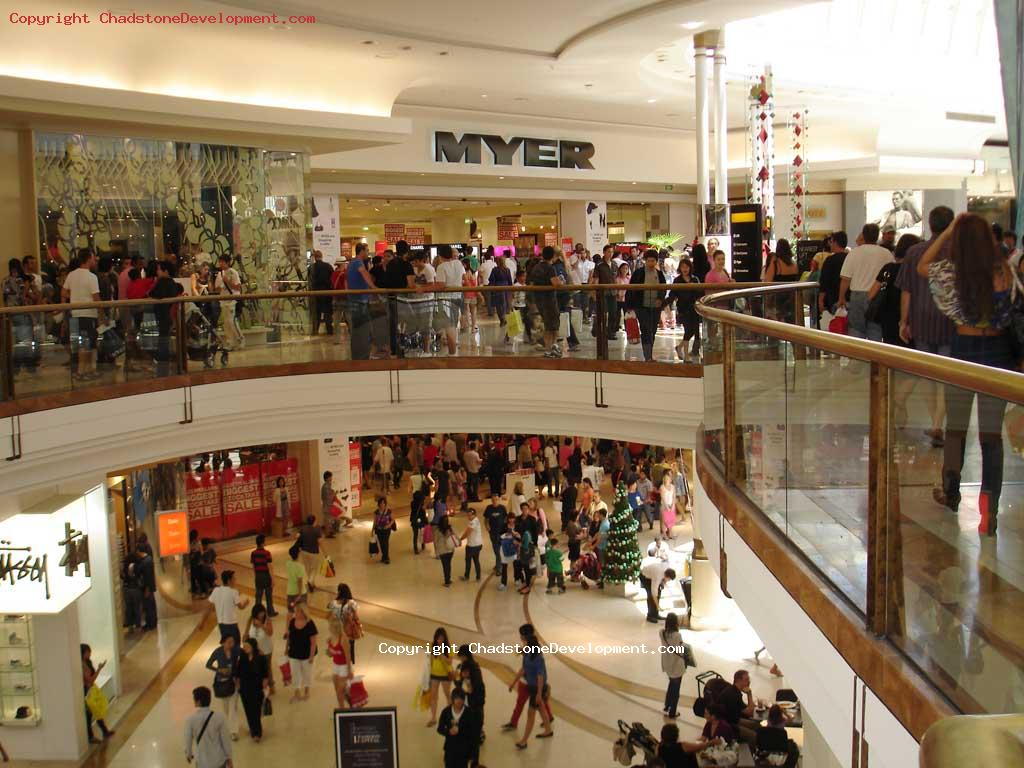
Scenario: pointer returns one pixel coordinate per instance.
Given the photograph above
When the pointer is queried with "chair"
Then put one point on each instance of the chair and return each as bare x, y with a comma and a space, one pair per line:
786, 694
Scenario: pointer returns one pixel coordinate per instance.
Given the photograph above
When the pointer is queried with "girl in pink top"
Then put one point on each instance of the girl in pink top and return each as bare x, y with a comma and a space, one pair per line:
719, 274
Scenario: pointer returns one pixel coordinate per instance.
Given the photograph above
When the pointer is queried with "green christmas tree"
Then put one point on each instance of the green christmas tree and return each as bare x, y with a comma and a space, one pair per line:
622, 552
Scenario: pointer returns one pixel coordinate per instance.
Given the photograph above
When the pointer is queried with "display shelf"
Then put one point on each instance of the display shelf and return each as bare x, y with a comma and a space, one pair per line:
12, 698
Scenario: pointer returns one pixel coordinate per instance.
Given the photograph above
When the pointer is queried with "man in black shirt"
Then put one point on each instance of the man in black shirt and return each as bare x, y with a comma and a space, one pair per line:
830, 278
737, 704
604, 274
398, 273
568, 501
543, 274
165, 287
495, 518
320, 274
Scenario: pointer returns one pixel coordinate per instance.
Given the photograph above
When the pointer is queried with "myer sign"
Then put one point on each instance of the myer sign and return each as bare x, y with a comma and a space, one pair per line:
533, 153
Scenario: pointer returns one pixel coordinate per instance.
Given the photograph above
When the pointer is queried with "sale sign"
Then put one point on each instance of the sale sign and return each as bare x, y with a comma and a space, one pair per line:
551, 238
202, 499
394, 232
508, 227
243, 499
355, 468
172, 529
415, 235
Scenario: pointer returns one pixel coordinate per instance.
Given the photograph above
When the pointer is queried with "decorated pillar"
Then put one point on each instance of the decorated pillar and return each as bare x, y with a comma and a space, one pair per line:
762, 146
798, 174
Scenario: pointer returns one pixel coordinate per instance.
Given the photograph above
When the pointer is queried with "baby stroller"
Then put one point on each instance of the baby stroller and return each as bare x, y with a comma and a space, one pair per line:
201, 339
586, 567
635, 738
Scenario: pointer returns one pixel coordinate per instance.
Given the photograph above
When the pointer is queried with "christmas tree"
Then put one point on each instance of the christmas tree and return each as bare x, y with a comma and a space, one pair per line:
622, 551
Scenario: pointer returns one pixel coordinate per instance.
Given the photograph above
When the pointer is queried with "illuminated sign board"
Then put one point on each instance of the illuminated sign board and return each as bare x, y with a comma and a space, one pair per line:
533, 153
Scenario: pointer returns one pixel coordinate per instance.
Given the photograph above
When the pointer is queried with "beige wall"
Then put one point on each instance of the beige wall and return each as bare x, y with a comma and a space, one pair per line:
13, 205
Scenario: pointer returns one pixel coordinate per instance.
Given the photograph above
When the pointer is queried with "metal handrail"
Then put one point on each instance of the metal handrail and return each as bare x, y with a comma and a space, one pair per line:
1006, 385
384, 292
954, 742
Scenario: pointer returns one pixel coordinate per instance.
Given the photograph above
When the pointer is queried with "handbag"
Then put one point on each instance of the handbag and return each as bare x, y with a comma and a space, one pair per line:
840, 323
223, 689
268, 708
632, 329
688, 658
327, 568
428, 534
351, 625
286, 673
514, 326
374, 547
97, 703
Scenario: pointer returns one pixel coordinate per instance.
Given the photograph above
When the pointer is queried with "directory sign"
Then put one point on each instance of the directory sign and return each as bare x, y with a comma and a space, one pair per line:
745, 233
366, 738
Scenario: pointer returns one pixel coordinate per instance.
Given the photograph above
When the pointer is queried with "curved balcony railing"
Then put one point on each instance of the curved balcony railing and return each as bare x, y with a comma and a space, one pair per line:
839, 443
50, 356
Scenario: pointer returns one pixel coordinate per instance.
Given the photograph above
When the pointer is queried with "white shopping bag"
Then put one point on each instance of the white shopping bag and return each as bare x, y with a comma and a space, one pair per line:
563, 325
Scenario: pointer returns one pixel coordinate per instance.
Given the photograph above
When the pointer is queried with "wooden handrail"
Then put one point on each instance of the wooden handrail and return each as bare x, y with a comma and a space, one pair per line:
1006, 385
966, 740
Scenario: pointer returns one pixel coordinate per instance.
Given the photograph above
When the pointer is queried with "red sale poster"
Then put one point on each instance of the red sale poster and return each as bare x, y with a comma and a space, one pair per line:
270, 472
202, 499
243, 500
355, 469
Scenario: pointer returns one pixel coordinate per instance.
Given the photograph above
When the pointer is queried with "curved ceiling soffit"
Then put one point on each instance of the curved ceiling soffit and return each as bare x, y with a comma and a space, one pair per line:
573, 42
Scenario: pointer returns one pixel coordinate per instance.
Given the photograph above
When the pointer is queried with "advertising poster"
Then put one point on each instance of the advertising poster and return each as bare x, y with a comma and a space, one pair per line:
508, 227
899, 208
366, 738
202, 498
597, 226
567, 245
394, 232
172, 530
270, 471
243, 499
415, 235
551, 238
326, 227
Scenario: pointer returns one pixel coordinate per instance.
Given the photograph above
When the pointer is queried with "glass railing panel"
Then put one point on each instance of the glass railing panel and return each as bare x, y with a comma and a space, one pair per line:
714, 391
761, 413
825, 423
958, 607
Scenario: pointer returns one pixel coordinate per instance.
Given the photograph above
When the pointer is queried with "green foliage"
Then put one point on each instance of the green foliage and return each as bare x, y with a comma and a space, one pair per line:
664, 241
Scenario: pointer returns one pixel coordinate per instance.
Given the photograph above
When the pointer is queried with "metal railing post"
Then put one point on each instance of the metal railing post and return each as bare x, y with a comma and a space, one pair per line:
879, 421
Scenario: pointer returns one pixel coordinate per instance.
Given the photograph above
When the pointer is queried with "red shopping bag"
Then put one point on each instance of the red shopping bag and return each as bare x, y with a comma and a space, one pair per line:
356, 693
428, 534
286, 673
632, 329
337, 508
840, 323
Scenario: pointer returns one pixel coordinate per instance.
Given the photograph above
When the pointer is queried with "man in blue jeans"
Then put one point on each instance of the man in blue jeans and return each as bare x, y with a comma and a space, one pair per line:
860, 269
358, 278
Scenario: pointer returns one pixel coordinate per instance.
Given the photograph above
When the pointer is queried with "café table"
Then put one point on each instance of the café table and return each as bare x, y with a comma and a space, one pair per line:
746, 758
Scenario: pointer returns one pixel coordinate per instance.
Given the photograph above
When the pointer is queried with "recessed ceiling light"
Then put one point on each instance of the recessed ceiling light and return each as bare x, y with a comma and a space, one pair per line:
651, 101
501, 177
483, 95
369, 42
691, 25
634, 183
405, 47
588, 85
442, 53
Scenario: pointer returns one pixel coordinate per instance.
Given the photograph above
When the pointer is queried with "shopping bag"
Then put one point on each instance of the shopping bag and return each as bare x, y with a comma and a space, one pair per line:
337, 508
840, 324
421, 699
374, 547
111, 343
632, 329
327, 568
514, 327
428, 535
563, 325
286, 673
825, 320
356, 692
576, 320
97, 703
268, 708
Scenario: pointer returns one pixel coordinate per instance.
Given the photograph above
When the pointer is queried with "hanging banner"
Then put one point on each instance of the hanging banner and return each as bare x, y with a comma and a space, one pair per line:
202, 499
355, 474
172, 531
597, 226
326, 227
394, 232
508, 227
270, 472
551, 238
415, 235
567, 245
243, 500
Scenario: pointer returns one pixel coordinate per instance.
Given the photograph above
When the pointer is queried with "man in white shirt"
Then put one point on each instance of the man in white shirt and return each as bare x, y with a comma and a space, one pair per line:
655, 573
858, 275
449, 275
472, 461
206, 734
226, 602
385, 460
229, 282
484, 275
82, 286
474, 539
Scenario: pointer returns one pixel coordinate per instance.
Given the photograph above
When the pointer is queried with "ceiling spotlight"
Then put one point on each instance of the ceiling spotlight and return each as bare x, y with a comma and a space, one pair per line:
691, 25
442, 53
405, 47
502, 178
634, 183
483, 95
588, 85
369, 42
651, 101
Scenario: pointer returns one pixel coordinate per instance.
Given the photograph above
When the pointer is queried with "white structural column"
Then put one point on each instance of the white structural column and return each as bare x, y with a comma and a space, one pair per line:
721, 126
700, 57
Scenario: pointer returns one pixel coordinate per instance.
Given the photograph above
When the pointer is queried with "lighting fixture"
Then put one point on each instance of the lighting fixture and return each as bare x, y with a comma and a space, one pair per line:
483, 95
502, 178
366, 229
634, 183
369, 42
651, 101
692, 25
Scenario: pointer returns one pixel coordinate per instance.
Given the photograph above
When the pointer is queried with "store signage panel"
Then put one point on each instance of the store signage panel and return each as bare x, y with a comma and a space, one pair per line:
394, 232
326, 227
745, 228
173, 533
44, 560
531, 152
415, 235
366, 738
